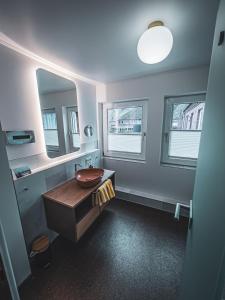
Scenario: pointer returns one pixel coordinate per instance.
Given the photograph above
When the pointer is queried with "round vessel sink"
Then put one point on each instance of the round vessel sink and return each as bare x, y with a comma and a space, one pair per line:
89, 177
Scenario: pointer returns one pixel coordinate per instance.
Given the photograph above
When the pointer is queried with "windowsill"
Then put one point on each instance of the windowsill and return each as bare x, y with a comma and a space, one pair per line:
150, 196
162, 164
125, 159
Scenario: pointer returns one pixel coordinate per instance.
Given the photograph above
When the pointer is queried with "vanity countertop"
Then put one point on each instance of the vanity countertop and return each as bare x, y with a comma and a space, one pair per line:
70, 194
41, 162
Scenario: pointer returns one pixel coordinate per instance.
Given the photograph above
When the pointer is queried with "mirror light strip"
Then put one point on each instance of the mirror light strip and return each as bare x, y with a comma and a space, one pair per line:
9, 43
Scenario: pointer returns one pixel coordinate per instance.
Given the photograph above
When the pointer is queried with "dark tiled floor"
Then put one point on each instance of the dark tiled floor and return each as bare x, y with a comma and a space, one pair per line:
4, 290
131, 252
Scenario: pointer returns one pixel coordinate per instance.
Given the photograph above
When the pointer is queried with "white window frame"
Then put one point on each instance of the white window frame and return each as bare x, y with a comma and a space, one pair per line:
51, 148
68, 111
125, 104
167, 120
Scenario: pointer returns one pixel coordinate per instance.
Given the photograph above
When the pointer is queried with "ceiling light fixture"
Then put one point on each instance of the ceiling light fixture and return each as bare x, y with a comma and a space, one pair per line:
155, 43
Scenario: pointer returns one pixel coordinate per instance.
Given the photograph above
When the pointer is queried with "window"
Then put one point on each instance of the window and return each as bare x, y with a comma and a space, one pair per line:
183, 117
124, 125
50, 129
199, 118
73, 127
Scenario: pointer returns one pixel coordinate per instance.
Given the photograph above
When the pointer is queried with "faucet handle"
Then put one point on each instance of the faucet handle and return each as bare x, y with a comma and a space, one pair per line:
77, 165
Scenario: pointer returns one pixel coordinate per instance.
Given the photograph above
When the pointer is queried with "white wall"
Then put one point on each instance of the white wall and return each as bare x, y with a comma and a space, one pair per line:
61, 98
19, 101
161, 182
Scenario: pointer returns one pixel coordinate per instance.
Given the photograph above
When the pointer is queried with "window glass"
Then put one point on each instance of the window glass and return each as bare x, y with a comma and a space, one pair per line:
74, 127
183, 119
185, 133
188, 116
50, 128
125, 129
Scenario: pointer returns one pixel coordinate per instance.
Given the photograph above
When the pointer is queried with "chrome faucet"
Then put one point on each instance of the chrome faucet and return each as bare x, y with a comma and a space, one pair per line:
77, 165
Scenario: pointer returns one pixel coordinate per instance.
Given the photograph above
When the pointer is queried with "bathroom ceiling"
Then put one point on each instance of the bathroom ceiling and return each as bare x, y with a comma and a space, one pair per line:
98, 38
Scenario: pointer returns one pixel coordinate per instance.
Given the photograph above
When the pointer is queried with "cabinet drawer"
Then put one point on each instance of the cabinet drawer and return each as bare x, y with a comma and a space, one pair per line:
86, 222
28, 191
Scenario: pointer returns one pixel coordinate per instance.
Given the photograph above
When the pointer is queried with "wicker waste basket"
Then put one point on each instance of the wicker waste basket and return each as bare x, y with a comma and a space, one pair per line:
41, 251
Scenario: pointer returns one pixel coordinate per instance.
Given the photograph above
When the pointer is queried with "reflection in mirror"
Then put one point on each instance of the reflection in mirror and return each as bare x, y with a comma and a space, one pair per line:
58, 99
88, 130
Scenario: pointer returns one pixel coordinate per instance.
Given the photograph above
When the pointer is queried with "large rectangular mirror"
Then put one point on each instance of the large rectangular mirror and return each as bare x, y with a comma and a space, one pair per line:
58, 99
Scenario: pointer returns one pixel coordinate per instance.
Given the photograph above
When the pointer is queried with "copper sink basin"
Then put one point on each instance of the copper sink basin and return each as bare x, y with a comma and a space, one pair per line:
89, 177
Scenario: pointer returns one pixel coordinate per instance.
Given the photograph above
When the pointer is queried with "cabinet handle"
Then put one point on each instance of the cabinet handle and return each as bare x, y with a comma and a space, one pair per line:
221, 38
166, 137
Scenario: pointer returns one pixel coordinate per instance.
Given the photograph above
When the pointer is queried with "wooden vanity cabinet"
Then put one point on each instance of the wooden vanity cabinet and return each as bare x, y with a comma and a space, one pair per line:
86, 221
69, 208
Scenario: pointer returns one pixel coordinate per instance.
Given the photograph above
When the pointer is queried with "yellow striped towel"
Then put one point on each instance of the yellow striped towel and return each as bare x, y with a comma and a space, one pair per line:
105, 193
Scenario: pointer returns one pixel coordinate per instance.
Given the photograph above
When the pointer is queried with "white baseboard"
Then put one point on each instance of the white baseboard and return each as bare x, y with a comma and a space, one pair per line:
149, 200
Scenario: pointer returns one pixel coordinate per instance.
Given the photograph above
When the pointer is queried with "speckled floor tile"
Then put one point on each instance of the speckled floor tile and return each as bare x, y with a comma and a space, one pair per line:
130, 253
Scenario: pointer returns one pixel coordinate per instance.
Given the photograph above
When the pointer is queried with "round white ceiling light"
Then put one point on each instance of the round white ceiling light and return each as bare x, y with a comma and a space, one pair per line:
155, 43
